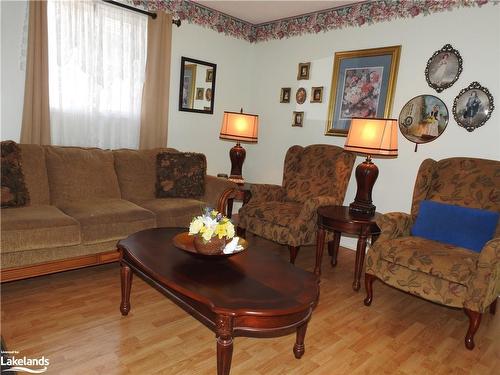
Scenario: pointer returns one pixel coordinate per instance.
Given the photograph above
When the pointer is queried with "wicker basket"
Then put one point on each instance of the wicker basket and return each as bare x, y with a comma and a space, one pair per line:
215, 246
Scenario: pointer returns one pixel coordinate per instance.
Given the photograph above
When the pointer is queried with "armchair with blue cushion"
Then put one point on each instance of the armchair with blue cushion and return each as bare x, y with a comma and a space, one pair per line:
448, 249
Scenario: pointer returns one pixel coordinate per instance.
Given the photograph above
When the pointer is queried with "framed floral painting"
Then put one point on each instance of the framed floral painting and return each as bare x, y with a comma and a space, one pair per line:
363, 84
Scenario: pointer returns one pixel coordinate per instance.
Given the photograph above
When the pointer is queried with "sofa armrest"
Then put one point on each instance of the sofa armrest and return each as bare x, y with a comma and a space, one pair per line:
393, 225
267, 192
484, 286
214, 189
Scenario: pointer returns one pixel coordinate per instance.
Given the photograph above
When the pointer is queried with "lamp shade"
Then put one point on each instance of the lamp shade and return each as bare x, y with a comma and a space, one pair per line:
373, 136
241, 127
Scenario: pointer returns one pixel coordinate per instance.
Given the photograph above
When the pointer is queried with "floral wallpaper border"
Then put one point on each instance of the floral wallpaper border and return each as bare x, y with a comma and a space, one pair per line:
355, 15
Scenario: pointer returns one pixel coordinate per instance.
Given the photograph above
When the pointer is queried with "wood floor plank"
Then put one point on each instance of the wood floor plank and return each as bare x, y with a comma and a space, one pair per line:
73, 319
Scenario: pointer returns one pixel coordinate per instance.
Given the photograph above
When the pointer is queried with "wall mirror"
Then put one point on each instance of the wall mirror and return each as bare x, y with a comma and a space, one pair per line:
197, 88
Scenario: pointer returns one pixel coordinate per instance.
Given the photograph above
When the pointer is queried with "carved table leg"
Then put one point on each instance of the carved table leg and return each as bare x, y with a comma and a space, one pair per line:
333, 247
224, 334
360, 260
299, 348
126, 283
320, 244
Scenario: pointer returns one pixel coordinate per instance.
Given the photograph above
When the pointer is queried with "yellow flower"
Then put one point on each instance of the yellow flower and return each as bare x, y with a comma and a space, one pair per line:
195, 226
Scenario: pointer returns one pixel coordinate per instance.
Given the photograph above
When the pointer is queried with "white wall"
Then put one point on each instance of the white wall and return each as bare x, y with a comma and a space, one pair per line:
12, 76
233, 89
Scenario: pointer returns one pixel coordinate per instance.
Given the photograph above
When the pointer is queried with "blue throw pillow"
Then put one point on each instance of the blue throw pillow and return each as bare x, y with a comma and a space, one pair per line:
461, 226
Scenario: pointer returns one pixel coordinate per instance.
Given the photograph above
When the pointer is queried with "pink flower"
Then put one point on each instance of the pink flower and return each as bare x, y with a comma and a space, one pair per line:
414, 11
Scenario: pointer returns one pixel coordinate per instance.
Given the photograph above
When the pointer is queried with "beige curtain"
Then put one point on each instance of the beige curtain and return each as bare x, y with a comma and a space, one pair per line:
36, 124
155, 95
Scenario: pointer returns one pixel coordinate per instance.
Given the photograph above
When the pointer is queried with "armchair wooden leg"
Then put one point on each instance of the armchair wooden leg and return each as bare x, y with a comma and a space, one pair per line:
493, 307
369, 279
294, 250
474, 321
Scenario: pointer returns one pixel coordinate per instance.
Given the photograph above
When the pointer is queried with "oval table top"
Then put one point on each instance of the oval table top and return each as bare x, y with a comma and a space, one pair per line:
253, 282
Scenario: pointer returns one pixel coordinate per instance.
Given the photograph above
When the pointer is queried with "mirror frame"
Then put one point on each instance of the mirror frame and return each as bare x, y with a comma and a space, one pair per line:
188, 60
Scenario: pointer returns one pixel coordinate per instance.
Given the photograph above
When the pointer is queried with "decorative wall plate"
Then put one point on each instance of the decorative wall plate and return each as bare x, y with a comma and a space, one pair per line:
301, 95
443, 68
423, 119
473, 106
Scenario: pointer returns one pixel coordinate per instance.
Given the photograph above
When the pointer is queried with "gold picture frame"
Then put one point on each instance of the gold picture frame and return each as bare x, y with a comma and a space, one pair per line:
317, 94
298, 118
363, 85
285, 94
303, 71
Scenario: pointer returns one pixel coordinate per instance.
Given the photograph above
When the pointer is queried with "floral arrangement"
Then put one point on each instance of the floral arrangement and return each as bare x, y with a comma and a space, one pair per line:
211, 224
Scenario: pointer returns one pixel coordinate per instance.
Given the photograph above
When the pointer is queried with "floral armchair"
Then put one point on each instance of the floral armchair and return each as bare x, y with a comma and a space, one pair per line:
313, 176
435, 271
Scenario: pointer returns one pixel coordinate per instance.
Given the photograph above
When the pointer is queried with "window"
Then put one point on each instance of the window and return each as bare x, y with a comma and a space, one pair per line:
97, 59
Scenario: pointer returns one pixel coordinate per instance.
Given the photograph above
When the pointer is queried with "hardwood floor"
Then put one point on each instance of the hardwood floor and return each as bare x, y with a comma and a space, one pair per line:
73, 319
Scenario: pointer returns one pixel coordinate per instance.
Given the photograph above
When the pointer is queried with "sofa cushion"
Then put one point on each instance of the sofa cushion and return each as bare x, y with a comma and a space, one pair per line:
461, 226
438, 259
173, 212
37, 227
77, 174
108, 219
35, 173
136, 171
13, 192
180, 175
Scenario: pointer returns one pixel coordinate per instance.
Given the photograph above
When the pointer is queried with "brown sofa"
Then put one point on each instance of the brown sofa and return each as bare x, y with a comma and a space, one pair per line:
82, 201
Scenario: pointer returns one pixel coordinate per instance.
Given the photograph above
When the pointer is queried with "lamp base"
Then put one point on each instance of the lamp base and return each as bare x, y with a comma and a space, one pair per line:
357, 208
237, 155
366, 175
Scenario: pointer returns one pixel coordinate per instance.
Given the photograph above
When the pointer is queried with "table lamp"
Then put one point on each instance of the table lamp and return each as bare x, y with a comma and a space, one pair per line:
370, 136
239, 127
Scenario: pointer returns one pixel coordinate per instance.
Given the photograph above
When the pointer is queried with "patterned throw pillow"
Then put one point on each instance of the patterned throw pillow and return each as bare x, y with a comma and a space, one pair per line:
14, 192
180, 175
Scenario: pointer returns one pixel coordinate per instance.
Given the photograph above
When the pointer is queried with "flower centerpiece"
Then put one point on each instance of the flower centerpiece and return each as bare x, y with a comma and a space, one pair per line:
212, 230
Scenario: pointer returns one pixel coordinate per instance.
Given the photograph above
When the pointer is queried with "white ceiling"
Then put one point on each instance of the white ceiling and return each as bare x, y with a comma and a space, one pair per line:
257, 12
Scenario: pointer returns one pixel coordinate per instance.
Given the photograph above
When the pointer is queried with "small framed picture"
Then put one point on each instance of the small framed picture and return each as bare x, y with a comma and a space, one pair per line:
209, 75
285, 94
301, 95
199, 93
443, 68
298, 118
208, 94
317, 94
303, 72
473, 106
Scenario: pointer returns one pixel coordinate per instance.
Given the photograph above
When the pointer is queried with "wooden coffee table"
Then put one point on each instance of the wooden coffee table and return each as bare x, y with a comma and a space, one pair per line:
254, 293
